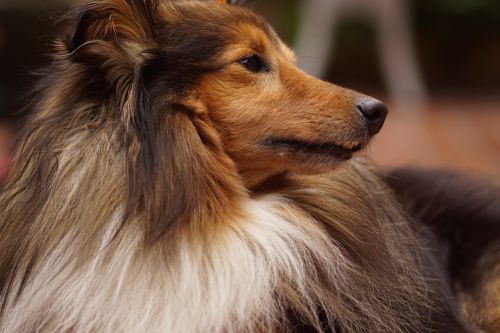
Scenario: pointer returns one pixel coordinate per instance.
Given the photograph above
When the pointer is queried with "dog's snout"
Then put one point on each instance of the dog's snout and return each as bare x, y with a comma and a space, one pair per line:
375, 112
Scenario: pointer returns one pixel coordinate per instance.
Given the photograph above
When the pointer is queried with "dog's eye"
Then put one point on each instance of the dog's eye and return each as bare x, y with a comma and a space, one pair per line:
254, 64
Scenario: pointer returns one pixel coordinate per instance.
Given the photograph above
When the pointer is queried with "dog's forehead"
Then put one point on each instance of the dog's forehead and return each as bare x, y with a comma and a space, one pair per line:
229, 21
201, 31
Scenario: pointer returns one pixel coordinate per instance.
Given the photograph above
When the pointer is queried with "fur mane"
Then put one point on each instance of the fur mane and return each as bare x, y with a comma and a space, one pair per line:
124, 213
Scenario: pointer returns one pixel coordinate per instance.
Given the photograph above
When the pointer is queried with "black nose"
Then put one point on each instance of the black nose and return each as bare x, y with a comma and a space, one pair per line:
375, 112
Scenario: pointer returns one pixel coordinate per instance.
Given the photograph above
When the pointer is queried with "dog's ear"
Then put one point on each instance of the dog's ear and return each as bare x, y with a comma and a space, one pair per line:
175, 161
147, 89
129, 23
163, 174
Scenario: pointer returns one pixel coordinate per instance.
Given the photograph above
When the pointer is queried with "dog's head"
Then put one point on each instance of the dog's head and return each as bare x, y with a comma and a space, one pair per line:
227, 71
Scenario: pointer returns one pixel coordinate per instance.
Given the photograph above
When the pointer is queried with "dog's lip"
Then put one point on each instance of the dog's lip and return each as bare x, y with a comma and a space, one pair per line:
344, 151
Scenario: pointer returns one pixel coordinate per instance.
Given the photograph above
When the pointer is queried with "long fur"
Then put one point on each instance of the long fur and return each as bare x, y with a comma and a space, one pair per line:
126, 212
464, 215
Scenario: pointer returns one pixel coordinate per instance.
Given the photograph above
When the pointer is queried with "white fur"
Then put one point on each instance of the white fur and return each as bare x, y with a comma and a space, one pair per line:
225, 284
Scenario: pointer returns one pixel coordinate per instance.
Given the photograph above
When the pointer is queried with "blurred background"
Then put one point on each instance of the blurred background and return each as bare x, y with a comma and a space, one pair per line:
436, 63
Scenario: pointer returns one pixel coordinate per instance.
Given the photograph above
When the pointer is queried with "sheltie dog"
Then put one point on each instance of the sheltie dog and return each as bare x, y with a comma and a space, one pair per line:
179, 173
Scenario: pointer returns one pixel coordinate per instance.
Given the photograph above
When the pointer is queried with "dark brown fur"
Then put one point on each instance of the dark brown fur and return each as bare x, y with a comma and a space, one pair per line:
464, 215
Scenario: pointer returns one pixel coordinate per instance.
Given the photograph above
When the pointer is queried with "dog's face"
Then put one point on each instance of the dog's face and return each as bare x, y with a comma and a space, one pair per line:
229, 67
275, 118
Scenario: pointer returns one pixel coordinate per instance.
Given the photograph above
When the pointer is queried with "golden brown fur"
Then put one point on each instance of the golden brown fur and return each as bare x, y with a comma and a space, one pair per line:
161, 186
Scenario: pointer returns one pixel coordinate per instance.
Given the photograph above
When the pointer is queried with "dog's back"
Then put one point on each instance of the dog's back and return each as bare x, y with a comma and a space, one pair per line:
464, 215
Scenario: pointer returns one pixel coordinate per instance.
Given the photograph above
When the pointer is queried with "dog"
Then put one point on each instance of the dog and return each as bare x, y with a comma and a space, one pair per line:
179, 173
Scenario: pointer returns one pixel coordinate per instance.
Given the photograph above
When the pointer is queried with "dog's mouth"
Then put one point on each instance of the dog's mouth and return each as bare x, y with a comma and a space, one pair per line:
341, 151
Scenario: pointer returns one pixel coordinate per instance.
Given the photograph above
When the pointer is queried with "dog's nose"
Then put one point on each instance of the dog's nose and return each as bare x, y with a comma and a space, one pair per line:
375, 112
